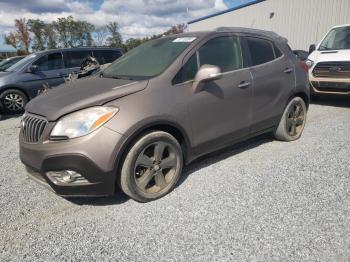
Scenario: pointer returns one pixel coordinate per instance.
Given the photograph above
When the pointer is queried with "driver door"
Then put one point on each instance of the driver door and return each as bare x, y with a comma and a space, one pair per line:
221, 111
48, 71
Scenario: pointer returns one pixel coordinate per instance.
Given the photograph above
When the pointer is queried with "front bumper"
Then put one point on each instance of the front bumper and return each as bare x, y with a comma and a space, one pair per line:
93, 156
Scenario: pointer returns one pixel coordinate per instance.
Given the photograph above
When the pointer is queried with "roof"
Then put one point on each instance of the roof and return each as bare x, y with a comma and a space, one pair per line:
244, 30
227, 11
253, 31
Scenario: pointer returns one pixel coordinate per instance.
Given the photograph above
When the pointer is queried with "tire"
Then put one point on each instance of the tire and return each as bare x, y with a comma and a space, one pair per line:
293, 120
13, 101
152, 167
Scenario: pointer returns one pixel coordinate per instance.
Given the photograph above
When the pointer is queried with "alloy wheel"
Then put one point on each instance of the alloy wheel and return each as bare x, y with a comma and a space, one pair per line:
295, 119
156, 167
13, 102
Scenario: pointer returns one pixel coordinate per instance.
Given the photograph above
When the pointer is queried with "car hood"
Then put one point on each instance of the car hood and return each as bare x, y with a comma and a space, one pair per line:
80, 94
5, 73
330, 56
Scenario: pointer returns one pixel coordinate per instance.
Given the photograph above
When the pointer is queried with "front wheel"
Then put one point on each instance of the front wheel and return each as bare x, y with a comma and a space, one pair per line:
13, 100
293, 120
152, 167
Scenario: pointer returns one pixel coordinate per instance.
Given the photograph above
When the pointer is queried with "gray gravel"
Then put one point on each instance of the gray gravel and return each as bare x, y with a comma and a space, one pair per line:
263, 200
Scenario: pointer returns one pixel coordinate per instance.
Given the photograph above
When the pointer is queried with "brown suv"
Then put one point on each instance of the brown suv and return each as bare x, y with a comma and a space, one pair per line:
159, 107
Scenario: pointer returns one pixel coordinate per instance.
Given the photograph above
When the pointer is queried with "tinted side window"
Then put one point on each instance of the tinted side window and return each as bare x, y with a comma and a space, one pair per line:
187, 72
261, 51
49, 62
75, 58
278, 52
224, 52
106, 56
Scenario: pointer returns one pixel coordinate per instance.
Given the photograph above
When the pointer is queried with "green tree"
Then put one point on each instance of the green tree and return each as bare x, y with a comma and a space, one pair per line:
50, 36
63, 26
37, 27
115, 38
132, 43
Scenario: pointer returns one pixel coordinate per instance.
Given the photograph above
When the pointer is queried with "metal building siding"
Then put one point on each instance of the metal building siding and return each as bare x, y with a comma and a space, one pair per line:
303, 22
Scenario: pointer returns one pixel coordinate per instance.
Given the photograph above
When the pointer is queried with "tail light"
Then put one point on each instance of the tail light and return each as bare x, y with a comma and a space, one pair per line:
304, 66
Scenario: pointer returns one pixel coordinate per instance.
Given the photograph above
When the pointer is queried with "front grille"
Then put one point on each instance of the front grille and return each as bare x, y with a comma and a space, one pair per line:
332, 70
32, 128
331, 86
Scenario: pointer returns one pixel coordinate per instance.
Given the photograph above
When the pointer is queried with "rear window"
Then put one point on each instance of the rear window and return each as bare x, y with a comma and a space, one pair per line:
261, 51
106, 56
75, 58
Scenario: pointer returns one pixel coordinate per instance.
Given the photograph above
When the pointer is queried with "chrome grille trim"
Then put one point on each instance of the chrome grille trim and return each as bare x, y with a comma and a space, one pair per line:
32, 127
332, 69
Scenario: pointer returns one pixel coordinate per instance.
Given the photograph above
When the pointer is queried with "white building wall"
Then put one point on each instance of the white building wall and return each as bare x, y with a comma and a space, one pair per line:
302, 22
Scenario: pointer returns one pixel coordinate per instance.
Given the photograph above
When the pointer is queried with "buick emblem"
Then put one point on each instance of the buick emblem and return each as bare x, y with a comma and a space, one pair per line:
335, 69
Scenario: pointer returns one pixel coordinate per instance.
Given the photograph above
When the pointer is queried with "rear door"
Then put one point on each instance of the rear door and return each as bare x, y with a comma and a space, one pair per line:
221, 111
273, 81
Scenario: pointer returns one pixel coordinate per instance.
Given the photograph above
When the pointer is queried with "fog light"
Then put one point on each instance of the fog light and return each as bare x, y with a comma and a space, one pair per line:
66, 177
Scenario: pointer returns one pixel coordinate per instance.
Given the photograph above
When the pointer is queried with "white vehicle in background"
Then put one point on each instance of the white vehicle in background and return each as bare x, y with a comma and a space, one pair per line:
329, 63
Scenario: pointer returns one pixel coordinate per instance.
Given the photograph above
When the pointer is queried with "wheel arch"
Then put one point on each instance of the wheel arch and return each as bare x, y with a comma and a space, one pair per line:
302, 95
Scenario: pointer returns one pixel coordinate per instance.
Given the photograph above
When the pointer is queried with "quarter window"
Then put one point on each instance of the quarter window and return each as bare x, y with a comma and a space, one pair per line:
49, 62
261, 50
187, 72
224, 52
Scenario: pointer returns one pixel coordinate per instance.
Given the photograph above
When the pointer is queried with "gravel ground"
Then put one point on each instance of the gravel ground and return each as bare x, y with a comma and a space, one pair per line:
263, 200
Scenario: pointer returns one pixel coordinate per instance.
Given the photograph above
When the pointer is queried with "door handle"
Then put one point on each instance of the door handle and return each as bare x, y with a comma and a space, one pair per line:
244, 84
288, 70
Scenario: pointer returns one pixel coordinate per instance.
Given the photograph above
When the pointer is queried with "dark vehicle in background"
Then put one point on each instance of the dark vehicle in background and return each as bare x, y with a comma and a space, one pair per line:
162, 105
22, 81
8, 62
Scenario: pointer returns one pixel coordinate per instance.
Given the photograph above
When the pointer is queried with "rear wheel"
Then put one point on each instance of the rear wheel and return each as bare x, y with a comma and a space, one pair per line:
293, 120
13, 100
152, 167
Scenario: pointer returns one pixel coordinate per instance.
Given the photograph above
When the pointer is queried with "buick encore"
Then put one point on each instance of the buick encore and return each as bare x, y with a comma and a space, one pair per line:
159, 107
26, 78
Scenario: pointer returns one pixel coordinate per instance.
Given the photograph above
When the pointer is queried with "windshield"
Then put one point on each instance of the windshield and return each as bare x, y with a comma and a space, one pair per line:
19, 65
336, 39
149, 59
9, 62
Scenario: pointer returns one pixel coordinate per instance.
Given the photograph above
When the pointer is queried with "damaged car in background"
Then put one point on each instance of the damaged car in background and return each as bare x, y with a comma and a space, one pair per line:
27, 78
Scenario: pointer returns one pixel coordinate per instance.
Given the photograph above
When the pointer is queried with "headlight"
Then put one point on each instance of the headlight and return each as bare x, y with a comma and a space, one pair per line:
83, 122
309, 63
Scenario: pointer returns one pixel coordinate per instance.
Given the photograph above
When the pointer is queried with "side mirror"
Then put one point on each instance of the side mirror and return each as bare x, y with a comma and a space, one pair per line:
312, 48
32, 69
205, 74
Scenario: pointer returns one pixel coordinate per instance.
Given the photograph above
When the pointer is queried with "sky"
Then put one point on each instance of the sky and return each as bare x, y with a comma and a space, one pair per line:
137, 18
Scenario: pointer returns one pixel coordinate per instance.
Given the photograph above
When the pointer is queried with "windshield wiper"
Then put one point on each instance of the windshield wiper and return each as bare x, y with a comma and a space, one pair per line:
119, 77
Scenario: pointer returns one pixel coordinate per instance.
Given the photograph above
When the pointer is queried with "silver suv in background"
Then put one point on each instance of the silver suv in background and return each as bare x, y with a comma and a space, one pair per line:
160, 106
